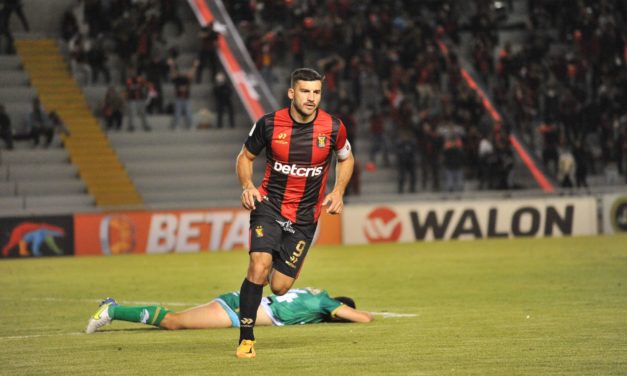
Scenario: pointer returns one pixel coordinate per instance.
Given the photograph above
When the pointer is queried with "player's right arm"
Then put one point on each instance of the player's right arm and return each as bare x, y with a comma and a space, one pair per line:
255, 142
244, 168
347, 313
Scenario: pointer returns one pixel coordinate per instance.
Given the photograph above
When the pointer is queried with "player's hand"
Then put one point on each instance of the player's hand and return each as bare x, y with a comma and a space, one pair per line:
249, 196
333, 202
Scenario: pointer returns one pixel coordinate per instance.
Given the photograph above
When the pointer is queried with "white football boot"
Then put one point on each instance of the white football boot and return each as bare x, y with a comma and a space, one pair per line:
101, 317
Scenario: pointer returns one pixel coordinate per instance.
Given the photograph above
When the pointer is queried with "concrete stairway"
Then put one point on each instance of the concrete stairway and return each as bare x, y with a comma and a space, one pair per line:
88, 147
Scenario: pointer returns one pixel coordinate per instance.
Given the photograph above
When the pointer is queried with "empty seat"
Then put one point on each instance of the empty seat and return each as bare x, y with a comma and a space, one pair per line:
50, 187
8, 62
153, 183
23, 172
171, 152
11, 202
191, 195
33, 156
7, 188
11, 78
74, 200
123, 139
17, 94
4, 172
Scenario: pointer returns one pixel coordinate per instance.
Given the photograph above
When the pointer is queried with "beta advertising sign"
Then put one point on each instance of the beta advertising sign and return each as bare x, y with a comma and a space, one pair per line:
469, 220
173, 231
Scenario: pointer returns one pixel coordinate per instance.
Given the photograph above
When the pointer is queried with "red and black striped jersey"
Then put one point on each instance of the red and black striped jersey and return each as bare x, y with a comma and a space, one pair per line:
298, 157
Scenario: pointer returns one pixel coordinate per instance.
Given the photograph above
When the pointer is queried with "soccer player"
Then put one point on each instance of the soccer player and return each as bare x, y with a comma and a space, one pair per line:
300, 141
297, 306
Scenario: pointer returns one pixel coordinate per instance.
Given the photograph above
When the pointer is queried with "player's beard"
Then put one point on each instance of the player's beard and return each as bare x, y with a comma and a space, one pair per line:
301, 111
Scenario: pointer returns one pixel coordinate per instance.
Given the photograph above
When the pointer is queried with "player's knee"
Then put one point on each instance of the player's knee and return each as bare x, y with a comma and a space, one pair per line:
279, 289
258, 272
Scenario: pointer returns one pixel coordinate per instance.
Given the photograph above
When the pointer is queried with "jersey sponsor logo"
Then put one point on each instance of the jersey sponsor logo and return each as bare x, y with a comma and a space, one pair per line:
322, 140
281, 138
382, 225
295, 170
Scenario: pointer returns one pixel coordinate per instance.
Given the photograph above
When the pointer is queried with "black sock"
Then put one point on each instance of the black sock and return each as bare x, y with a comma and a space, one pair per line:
249, 300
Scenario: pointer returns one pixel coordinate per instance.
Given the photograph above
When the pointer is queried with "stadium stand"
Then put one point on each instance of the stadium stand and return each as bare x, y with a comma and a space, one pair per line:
34, 180
104, 177
191, 168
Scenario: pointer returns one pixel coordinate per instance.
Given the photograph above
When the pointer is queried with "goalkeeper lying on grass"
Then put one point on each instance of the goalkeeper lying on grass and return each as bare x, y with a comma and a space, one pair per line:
297, 306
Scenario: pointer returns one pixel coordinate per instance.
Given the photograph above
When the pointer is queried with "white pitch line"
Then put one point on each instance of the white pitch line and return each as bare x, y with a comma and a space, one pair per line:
42, 335
393, 314
385, 315
182, 304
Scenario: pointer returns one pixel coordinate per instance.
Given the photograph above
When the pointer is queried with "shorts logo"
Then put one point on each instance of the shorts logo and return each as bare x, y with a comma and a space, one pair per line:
322, 140
286, 226
295, 170
259, 231
281, 138
300, 247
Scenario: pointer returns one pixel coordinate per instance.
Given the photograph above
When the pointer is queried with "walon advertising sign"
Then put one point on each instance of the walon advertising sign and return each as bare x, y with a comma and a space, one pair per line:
614, 214
449, 220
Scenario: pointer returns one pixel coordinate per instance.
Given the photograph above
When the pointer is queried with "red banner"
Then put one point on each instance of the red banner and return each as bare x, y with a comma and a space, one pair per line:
197, 230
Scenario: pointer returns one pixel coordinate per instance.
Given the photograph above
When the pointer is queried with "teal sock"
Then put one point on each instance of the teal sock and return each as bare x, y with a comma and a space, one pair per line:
150, 315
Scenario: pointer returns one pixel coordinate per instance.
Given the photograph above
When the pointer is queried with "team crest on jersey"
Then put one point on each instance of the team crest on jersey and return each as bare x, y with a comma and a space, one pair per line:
281, 138
259, 231
322, 140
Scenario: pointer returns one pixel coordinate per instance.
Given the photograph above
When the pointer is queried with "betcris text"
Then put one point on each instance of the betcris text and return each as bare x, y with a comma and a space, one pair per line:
294, 170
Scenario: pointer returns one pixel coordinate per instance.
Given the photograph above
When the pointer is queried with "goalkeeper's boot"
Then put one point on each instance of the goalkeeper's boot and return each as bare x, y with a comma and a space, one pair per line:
101, 317
246, 349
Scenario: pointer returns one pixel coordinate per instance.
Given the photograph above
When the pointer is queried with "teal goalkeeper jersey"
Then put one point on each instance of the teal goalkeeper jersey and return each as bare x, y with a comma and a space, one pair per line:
302, 306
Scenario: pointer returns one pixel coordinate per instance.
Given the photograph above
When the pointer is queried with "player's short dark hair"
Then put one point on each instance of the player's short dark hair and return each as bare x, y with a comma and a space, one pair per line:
304, 74
346, 300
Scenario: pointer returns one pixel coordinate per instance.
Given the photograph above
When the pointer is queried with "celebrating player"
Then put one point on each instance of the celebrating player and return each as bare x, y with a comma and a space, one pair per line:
300, 141
297, 306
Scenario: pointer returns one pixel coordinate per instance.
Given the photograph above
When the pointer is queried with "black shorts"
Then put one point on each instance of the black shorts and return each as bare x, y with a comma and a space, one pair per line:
287, 242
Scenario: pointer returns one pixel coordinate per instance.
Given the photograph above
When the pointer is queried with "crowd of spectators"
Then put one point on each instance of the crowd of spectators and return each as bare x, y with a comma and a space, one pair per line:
392, 79
130, 35
382, 61
385, 62
564, 88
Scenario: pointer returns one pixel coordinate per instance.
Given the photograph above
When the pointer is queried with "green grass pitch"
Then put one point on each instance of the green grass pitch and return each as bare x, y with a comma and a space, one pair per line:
490, 307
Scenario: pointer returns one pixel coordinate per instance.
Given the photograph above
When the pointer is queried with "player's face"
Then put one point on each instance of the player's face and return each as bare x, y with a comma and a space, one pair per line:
305, 97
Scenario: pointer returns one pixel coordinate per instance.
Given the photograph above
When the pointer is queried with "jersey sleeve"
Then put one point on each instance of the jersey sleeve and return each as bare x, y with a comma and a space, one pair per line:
328, 305
342, 146
256, 140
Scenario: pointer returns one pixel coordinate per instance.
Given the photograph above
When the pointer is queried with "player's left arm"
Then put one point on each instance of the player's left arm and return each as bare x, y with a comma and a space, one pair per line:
343, 172
347, 313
